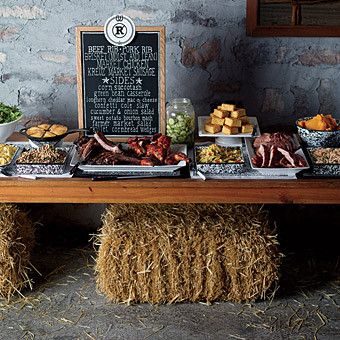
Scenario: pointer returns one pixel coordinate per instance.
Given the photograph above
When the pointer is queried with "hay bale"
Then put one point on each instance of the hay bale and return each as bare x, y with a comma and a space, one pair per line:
195, 252
16, 243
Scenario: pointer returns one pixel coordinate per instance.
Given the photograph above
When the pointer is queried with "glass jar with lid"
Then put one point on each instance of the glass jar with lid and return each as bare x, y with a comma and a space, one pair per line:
180, 125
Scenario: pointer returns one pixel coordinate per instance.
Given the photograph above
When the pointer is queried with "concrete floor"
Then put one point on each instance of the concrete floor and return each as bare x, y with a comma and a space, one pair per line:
65, 304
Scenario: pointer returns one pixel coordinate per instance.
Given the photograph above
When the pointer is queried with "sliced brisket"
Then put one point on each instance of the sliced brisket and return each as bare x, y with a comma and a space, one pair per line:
276, 150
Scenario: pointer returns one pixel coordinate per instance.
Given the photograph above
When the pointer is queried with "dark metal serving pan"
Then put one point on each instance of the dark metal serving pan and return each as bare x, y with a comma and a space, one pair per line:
50, 139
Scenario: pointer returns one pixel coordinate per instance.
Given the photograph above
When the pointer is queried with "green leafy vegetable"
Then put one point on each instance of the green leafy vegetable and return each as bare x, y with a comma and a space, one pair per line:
9, 113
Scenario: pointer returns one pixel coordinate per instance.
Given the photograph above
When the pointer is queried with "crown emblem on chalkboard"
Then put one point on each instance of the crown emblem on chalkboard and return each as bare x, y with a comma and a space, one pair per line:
119, 30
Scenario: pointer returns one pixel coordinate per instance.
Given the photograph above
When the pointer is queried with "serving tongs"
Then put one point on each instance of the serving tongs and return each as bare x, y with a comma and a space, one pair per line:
5, 172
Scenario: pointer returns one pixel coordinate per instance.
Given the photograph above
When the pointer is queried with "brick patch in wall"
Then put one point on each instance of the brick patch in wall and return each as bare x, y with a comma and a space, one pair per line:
143, 14
319, 57
7, 32
191, 17
3, 57
21, 76
202, 55
22, 12
65, 79
54, 57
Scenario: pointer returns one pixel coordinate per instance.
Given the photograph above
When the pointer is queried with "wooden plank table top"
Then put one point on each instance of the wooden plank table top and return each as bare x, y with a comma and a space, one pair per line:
78, 190
170, 191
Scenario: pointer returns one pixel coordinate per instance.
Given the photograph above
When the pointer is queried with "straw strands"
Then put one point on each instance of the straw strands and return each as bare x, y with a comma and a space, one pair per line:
166, 253
16, 243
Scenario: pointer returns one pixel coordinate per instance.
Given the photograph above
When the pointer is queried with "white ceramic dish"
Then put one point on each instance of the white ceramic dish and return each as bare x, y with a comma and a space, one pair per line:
6, 129
128, 168
289, 172
203, 133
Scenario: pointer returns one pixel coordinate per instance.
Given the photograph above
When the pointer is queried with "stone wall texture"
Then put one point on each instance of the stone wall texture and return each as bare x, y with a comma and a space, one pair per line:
209, 58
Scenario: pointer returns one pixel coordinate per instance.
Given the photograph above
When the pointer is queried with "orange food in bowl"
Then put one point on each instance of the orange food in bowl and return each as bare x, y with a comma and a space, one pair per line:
320, 123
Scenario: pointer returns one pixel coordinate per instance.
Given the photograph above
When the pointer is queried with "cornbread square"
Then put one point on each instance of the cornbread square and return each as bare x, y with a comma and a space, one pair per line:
220, 113
233, 122
222, 109
217, 120
245, 120
238, 113
212, 128
247, 128
229, 130
228, 107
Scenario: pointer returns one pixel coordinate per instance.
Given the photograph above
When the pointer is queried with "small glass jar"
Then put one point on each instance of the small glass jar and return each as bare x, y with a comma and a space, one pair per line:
180, 124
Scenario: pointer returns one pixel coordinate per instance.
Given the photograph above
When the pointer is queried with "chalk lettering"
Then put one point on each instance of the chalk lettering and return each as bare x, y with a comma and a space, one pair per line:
121, 84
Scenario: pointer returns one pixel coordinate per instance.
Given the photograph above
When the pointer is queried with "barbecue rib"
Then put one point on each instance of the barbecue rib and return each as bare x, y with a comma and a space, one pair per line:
105, 143
146, 151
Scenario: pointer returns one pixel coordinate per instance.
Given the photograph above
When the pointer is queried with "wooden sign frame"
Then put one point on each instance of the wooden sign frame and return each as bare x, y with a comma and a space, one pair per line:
162, 72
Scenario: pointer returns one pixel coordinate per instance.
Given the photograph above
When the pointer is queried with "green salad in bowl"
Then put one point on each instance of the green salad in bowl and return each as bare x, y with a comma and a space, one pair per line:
9, 117
8, 113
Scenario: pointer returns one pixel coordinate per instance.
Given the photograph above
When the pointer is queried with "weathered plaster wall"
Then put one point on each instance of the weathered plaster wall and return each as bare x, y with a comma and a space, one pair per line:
209, 58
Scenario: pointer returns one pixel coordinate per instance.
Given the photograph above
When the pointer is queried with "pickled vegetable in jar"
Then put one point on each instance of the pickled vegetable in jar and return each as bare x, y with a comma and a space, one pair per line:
180, 124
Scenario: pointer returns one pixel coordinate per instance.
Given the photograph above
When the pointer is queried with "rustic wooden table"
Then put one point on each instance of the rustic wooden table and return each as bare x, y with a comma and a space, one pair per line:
170, 191
77, 190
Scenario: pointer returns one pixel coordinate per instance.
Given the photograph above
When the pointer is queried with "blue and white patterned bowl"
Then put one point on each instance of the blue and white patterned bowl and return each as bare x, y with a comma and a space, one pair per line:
219, 168
315, 138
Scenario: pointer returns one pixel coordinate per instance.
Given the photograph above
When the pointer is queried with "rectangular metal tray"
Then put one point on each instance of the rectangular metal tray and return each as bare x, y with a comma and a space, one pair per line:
14, 156
131, 168
43, 169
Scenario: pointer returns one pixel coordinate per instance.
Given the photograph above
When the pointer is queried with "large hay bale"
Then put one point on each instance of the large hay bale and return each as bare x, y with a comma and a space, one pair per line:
16, 243
166, 253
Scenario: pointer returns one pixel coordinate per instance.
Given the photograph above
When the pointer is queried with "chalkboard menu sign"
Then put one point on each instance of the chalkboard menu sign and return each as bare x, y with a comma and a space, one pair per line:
121, 89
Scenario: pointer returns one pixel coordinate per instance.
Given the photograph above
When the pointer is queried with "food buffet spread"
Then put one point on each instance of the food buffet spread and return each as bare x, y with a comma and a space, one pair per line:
126, 130
258, 167
255, 156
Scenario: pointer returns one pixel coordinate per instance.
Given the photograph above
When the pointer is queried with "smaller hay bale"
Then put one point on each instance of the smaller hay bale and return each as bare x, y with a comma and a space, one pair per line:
166, 253
16, 244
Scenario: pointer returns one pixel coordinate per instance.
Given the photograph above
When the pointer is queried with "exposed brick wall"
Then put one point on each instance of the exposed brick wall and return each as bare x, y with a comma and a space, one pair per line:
209, 58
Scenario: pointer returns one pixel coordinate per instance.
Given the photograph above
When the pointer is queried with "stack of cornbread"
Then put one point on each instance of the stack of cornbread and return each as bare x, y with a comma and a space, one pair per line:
229, 120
